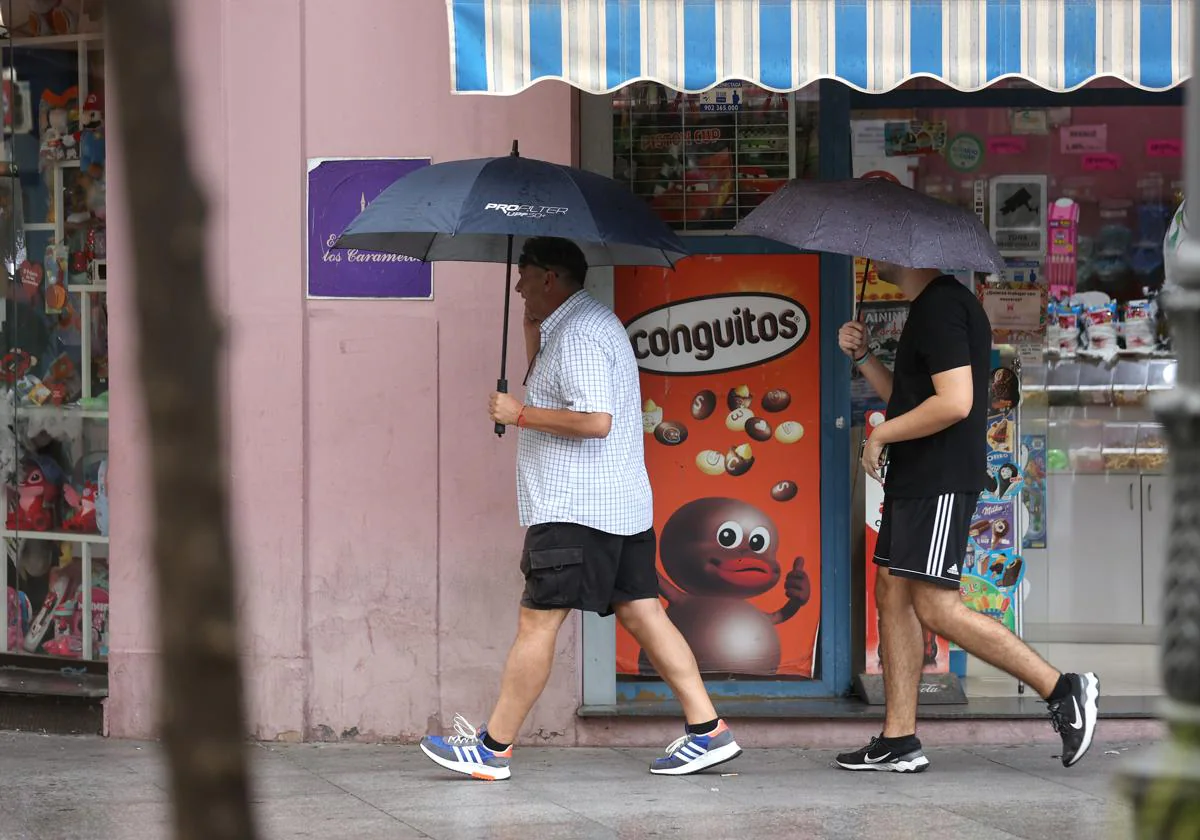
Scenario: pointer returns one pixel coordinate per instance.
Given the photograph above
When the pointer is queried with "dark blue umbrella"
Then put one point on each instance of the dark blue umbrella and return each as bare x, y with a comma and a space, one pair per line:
480, 210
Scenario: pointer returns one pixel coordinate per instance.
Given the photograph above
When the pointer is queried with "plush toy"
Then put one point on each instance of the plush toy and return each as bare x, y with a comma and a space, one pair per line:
102, 499
18, 618
51, 17
35, 500
91, 144
58, 126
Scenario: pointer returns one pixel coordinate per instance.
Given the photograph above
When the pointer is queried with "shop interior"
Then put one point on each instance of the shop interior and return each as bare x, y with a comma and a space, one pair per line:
1078, 195
54, 371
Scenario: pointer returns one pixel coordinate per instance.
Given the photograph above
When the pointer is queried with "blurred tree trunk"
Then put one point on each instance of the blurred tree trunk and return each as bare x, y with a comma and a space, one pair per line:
202, 726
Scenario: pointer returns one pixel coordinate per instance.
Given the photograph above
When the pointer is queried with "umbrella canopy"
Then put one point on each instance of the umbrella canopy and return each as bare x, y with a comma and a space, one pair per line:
480, 210
876, 219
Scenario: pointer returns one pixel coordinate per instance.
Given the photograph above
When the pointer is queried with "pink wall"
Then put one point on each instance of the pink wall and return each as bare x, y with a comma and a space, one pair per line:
374, 510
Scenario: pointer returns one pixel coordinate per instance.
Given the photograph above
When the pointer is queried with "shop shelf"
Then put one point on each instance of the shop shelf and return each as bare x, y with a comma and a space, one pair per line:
1085, 441
54, 536
63, 411
1130, 379
1119, 447
1062, 384
1033, 386
1151, 448
1095, 384
1162, 375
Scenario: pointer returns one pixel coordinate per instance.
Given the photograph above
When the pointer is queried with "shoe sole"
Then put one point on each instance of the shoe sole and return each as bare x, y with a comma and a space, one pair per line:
475, 771
1091, 711
916, 765
710, 759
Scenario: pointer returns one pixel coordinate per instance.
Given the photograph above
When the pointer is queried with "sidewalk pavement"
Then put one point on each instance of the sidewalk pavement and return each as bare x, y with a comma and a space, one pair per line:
54, 787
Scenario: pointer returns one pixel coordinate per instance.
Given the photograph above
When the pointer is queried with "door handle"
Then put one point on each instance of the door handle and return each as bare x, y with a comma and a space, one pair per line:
1150, 496
1131, 495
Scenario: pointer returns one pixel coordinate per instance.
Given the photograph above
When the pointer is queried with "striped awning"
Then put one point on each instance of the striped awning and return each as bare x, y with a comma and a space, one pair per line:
504, 46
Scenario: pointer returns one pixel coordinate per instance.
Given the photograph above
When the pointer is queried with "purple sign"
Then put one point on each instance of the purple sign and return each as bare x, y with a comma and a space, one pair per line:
338, 190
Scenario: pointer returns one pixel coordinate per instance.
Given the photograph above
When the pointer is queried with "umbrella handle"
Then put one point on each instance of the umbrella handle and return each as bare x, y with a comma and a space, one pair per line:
502, 387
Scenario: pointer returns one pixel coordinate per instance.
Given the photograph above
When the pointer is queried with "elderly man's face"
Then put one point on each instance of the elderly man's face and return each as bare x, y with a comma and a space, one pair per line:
535, 286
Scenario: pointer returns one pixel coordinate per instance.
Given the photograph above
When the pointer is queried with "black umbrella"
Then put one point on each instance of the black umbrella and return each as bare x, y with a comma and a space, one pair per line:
480, 210
876, 219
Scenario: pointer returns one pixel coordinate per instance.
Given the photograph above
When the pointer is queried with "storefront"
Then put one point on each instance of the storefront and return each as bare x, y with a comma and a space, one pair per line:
55, 578
1060, 125
374, 511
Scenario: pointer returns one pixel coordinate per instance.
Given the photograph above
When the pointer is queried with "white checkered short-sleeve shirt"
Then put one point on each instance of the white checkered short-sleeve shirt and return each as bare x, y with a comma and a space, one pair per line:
585, 364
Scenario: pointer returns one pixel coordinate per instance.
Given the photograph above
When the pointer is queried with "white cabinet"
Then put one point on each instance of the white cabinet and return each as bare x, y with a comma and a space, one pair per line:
1095, 549
1156, 521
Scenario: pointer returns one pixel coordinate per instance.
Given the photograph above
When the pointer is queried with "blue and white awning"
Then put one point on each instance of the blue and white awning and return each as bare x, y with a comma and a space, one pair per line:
504, 46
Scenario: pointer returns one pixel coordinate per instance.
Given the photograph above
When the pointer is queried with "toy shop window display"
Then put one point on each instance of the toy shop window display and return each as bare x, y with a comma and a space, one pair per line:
704, 161
53, 371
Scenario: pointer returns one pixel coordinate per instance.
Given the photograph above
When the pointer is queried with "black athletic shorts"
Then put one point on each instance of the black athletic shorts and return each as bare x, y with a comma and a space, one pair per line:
568, 566
926, 538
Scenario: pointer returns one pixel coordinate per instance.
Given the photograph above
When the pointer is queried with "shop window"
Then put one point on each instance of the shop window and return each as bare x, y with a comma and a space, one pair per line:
704, 161
54, 372
1079, 200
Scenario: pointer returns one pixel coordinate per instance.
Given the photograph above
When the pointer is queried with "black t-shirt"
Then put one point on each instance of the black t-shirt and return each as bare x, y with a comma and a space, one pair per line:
946, 329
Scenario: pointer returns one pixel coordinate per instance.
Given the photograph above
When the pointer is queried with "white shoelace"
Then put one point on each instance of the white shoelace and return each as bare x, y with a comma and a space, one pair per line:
466, 735
678, 743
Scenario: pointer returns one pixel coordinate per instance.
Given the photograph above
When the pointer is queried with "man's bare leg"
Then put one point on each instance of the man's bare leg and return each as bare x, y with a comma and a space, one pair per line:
902, 653
942, 611
668, 651
525, 673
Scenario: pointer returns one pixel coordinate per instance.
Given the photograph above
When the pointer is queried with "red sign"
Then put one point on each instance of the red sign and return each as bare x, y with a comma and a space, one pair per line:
937, 650
729, 352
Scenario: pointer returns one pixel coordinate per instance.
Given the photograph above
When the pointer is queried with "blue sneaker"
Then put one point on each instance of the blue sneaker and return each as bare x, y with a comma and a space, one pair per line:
693, 753
465, 753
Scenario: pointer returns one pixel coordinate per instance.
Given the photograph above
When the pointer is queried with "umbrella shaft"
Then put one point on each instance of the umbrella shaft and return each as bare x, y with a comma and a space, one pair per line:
502, 382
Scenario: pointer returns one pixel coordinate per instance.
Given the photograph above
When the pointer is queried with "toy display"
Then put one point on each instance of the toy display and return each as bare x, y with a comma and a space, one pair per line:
53, 335
703, 161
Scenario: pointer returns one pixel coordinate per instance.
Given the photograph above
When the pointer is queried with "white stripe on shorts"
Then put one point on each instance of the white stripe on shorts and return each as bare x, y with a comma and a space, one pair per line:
935, 561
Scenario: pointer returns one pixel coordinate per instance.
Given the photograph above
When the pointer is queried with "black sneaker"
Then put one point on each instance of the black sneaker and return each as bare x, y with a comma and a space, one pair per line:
902, 756
1074, 717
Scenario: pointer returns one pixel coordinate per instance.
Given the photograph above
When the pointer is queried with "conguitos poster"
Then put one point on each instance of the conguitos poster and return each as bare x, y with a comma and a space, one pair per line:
729, 354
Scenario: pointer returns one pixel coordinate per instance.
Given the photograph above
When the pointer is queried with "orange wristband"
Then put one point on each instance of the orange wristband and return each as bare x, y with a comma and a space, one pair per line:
521, 418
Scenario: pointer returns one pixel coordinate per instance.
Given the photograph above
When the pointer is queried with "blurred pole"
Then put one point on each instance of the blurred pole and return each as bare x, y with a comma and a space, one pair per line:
201, 691
1164, 784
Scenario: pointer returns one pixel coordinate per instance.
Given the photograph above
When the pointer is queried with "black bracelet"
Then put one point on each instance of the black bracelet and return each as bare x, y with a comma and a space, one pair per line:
861, 360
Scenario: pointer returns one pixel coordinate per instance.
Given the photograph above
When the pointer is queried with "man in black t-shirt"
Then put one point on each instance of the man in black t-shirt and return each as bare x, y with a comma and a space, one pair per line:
931, 456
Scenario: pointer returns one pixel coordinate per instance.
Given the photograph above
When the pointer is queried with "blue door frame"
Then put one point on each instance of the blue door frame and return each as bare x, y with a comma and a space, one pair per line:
835, 657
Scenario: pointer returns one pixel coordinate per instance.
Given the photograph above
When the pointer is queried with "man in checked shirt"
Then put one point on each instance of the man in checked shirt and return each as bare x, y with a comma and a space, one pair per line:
584, 496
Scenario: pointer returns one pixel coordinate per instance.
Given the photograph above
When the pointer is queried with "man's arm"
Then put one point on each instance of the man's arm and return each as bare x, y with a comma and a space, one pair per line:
585, 375
951, 402
878, 376
944, 346
853, 340
566, 423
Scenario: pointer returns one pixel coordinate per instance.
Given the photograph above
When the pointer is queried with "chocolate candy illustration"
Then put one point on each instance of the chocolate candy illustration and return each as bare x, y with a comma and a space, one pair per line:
789, 431
758, 428
776, 399
710, 462
670, 433
784, 491
703, 405
736, 421
739, 397
739, 460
